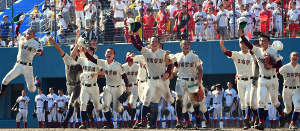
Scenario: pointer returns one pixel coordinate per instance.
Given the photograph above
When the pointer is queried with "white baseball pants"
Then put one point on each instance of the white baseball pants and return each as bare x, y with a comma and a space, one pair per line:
133, 96
73, 118
253, 94
291, 96
278, 25
40, 114
249, 28
217, 111
181, 89
19, 69
111, 94
60, 116
85, 93
22, 113
228, 114
272, 112
210, 32
257, 24
172, 112
79, 14
232, 29
199, 30
270, 86
244, 88
52, 115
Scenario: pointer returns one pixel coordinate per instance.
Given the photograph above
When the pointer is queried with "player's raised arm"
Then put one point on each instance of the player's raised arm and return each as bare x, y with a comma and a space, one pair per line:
57, 47
134, 42
223, 48
17, 28
74, 52
87, 55
244, 39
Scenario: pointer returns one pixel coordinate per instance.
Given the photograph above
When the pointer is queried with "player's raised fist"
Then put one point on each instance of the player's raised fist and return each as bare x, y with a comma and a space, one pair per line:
240, 31
167, 52
51, 38
222, 41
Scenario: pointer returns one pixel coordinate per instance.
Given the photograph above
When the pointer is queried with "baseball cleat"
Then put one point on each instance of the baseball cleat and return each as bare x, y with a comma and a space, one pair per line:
178, 125
207, 124
129, 123
260, 126
136, 125
281, 121
292, 126
151, 126
246, 123
109, 126
64, 124
83, 126
188, 125
142, 124
129, 110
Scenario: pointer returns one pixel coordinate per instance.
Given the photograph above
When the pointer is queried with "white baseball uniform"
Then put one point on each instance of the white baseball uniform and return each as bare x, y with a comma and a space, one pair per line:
89, 84
199, 25
233, 23
217, 104
271, 111
256, 8
210, 27
40, 99
27, 50
267, 81
271, 7
278, 21
23, 108
244, 72
132, 72
254, 85
142, 72
249, 27
229, 95
114, 84
51, 102
291, 87
156, 68
61, 103
172, 113
239, 108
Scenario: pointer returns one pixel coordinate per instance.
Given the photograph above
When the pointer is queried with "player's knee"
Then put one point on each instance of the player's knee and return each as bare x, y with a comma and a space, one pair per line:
117, 109
133, 105
146, 102
83, 107
296, 108
31, 88
203, 109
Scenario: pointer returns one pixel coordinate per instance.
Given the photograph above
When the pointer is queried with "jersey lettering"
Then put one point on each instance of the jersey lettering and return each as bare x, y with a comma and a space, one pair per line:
89, 68
110, 72
25, 47
151, 60
60, 100
143, 65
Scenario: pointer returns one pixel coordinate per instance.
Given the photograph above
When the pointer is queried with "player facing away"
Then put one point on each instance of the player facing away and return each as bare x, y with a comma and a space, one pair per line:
28, 47
242, 60
291, 87
72, 71
114, 73
22, 103
157, 76
267, 81
50, 105
40, 102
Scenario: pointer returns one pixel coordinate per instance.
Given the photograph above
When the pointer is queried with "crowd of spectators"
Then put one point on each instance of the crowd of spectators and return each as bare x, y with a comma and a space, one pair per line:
198, 20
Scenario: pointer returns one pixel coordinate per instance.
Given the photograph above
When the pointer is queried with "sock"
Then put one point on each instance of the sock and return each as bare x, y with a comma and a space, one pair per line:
158, 123
49, 124
108, 117
44, 124
145, 111
39, 123
25, 124
69, 113
206, 114
55, 124
275, 123
215, 122
18, 124
3, 87
186, 116
248, 112
179, 110
58, 124
255, 112
83, 116
261, 114
133, 113
271, 122
88, 124
169, 123
99, 123
234, 122
76, 125
244, 113
125, 124
104, 123
241, 123
295, 117
120, 124
93, 124
265, 114
279, 110
227, 122
71, 124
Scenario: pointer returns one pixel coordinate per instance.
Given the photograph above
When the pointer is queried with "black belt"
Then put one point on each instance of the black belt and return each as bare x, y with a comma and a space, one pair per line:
249, 23
270, 103
244, 79
115, 86
141, 81
188, 79
24, 63
292, 87
74, 83
268, 77
132, 84
254, 78
217, 103
89, 85
23, 108
155, 78
200, 24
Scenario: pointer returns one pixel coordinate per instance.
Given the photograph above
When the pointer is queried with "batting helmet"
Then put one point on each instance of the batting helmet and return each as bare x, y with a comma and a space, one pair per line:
166, 112
235, 113
226, 109
34, 115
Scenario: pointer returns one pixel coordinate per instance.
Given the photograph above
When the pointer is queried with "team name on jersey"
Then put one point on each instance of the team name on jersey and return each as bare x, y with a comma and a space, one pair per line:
22, 100
292, 74
110, 72
223, 15
50, 99
39, 99
143, 66
257, 8
186, 64
243, 61
132, 73
89, 68
61, 100
154, 60
24, 47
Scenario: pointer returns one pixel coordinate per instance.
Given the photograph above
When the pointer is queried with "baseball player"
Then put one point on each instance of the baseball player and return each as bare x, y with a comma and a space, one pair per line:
61, 104
172, 113
200, 18
22, 103
256, 8
290, 73
217, 96
156, 63
271, 6
267, 81
131, 70
114, 73
229, 100
51, 107
232, 22
72, 71
249, 16
40, 102
242, 60
210, 20
277, 14
208, 101
28, 47
272, 115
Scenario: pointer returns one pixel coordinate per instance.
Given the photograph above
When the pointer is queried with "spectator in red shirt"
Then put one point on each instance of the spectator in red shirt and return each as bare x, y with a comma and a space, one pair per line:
79, 5
293, 20
211, 5
163, 20
149, 21
227, 6
264, 17
193, 7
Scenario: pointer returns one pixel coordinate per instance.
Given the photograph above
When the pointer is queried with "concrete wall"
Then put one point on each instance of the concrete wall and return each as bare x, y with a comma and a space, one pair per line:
50, 67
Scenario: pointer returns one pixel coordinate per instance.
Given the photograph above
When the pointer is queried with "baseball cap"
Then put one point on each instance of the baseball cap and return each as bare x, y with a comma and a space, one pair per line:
5, 16
264, 3
52, 5
177, 2
62, 29
148, 9
171, 0
220, 5
88, 27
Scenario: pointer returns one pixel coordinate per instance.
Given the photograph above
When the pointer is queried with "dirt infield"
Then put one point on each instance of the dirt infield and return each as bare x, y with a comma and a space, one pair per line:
127, 129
